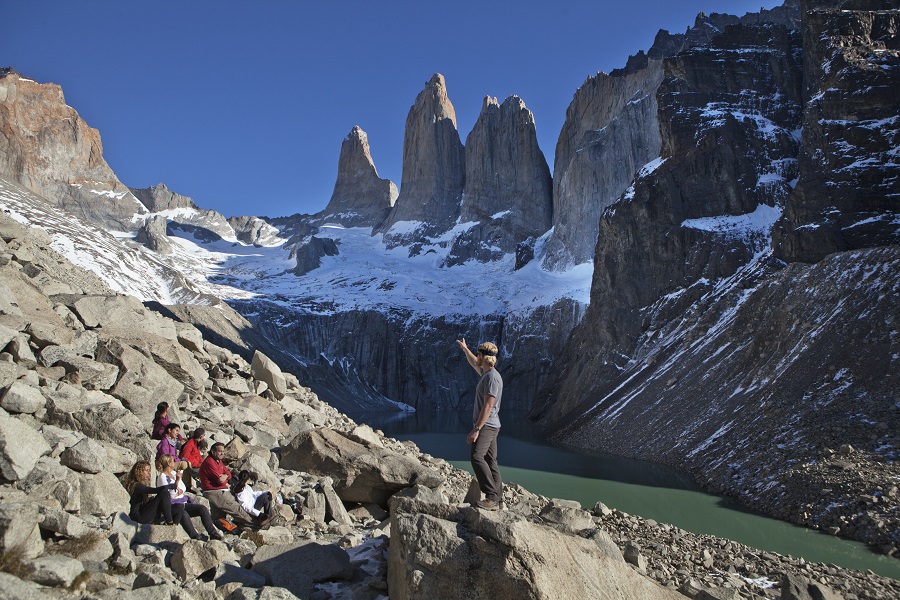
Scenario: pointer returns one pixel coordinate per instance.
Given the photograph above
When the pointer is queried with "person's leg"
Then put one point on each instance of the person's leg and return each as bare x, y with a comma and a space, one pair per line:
179, 512
224, 501
264, 503
491, 459
157, 507
198, 510
478, 450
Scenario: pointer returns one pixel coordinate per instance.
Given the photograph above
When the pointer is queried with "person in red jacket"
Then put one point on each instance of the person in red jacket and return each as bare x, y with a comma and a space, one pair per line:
214, 478
190, 452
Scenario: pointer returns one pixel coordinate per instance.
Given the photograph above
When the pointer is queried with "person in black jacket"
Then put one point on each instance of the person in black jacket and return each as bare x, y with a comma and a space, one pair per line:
148, 504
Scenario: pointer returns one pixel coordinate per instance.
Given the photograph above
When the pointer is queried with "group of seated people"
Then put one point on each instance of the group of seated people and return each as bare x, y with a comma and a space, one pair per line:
178, 462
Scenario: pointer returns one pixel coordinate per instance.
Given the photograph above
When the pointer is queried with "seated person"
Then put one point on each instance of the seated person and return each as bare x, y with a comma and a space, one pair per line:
169, 445
148, 504
214, 478
191, 452
258, 504
183, 508
160, 420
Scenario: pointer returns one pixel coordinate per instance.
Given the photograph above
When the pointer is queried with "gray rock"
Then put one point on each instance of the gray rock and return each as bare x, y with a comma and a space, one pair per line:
360, 474
19, 530
794, 587
264, 369
55, 570
334, 505
87, 456
230, 573
20, 448
92, 374
49, 479
142, 383
50, 333
102, 494
22, 398
124, 317
433, 548
298, 567
574, 519
62, 523
153, 234
19, 589
194, 558
273, 536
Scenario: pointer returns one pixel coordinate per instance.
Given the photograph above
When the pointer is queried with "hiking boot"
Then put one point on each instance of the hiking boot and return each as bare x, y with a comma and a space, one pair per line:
487, 504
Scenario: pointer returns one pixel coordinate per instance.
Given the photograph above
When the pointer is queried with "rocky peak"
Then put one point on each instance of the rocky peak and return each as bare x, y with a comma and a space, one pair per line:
433, 165
159, 198
611, 130
508, 183
47, 148
360, 197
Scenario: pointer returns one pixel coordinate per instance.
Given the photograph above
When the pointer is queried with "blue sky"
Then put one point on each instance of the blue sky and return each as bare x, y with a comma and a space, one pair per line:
243, 105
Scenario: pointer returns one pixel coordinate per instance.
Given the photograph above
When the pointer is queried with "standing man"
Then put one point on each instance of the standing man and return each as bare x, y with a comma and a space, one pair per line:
483, 437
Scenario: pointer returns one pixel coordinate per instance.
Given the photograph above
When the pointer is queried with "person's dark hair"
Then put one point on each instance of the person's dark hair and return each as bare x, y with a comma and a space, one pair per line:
160, 409
198, 433
202, 445
172, 426
214, 446
240, 482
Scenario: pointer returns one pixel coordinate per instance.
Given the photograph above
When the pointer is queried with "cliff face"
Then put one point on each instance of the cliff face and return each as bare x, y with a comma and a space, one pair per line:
433, 167
46, 147
360, 197
702, 349
610, 131
848, 193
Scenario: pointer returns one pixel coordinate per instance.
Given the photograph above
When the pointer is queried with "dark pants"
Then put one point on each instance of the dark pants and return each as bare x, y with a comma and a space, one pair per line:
182, 513
484, 463
155, 508
264, 504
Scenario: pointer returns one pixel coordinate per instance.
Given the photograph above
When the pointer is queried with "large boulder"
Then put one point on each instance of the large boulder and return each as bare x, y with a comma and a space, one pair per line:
177, 360
142, 383
124, 317
20, 448
196, 557
440, 551
87, 456
360, 474
298, 567
102, 494
92, 374
49, 479
264, 369
19, 530
22, 398
55, 570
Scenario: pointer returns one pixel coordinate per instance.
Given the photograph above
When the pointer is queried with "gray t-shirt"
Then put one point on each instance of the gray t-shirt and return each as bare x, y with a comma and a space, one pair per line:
490, 384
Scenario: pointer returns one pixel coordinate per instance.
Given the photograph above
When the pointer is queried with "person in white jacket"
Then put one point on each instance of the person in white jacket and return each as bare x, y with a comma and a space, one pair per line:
258, 504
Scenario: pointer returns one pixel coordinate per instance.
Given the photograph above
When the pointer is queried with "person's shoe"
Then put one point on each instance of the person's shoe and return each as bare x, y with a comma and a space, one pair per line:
266, 522
216, 536
487, 504
200, 537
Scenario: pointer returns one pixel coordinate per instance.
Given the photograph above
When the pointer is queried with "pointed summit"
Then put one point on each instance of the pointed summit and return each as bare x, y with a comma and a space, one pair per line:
360, 197
509, 190
433, 163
